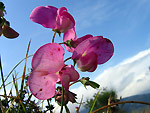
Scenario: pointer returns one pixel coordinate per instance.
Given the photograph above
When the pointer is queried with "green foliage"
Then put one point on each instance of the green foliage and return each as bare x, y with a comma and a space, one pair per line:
102, 100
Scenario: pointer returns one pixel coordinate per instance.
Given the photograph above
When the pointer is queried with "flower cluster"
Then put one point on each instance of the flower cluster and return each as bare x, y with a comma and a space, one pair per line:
48, 65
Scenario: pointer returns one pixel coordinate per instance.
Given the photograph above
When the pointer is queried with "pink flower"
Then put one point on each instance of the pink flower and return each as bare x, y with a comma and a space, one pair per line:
49, 68
51, 17
91, 52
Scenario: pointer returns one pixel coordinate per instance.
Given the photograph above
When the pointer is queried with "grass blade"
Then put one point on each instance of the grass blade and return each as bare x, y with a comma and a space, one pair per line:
1, 106
90, 111
16, 67
2, 77
18, 95
62, 101
23, 75
3, 82
10, 106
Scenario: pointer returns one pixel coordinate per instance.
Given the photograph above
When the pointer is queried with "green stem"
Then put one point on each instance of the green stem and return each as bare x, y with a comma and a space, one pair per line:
23, 75
67, 59
74, 82
3, 82
61, 43
67, 109
53, 37
15, 67
21, 104
1, 106
62, 101
49, 105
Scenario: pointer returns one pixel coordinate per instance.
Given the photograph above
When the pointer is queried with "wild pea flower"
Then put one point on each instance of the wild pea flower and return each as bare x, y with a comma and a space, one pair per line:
51, 17
91, 52
49, 68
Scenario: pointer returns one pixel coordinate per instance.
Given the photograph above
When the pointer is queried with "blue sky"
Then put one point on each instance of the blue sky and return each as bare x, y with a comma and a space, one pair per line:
125, 22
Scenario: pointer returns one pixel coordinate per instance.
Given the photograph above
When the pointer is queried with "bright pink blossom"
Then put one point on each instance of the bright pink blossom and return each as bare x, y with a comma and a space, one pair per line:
51, 17
49, 68
91, 52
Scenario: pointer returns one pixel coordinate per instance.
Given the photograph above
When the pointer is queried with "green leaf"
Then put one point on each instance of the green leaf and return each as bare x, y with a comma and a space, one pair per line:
93, 84
86, 82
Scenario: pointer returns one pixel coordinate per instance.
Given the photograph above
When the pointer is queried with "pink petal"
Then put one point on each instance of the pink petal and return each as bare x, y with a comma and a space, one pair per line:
81, 39
42, 84
103, 47
49, 58
46, 16
64, 20
87, 62
68, 74
70, 34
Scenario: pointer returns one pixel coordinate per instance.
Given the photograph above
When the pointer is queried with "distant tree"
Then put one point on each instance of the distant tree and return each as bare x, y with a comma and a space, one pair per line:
104, 98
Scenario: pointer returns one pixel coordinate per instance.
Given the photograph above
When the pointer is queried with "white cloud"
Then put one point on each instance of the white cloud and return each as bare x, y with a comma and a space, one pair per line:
130, 77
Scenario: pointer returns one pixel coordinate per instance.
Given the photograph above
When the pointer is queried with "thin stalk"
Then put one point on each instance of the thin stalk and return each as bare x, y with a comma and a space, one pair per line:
1, 106
12, 81
79, 105
18, 95
10, 106
3, 82
49, 105
67, 109
67, 59
23, 75
53, 37
61, 43
15, 67
42, 106
8, 96
74, 82
90, 111
123, 102
29, 98
62, 101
